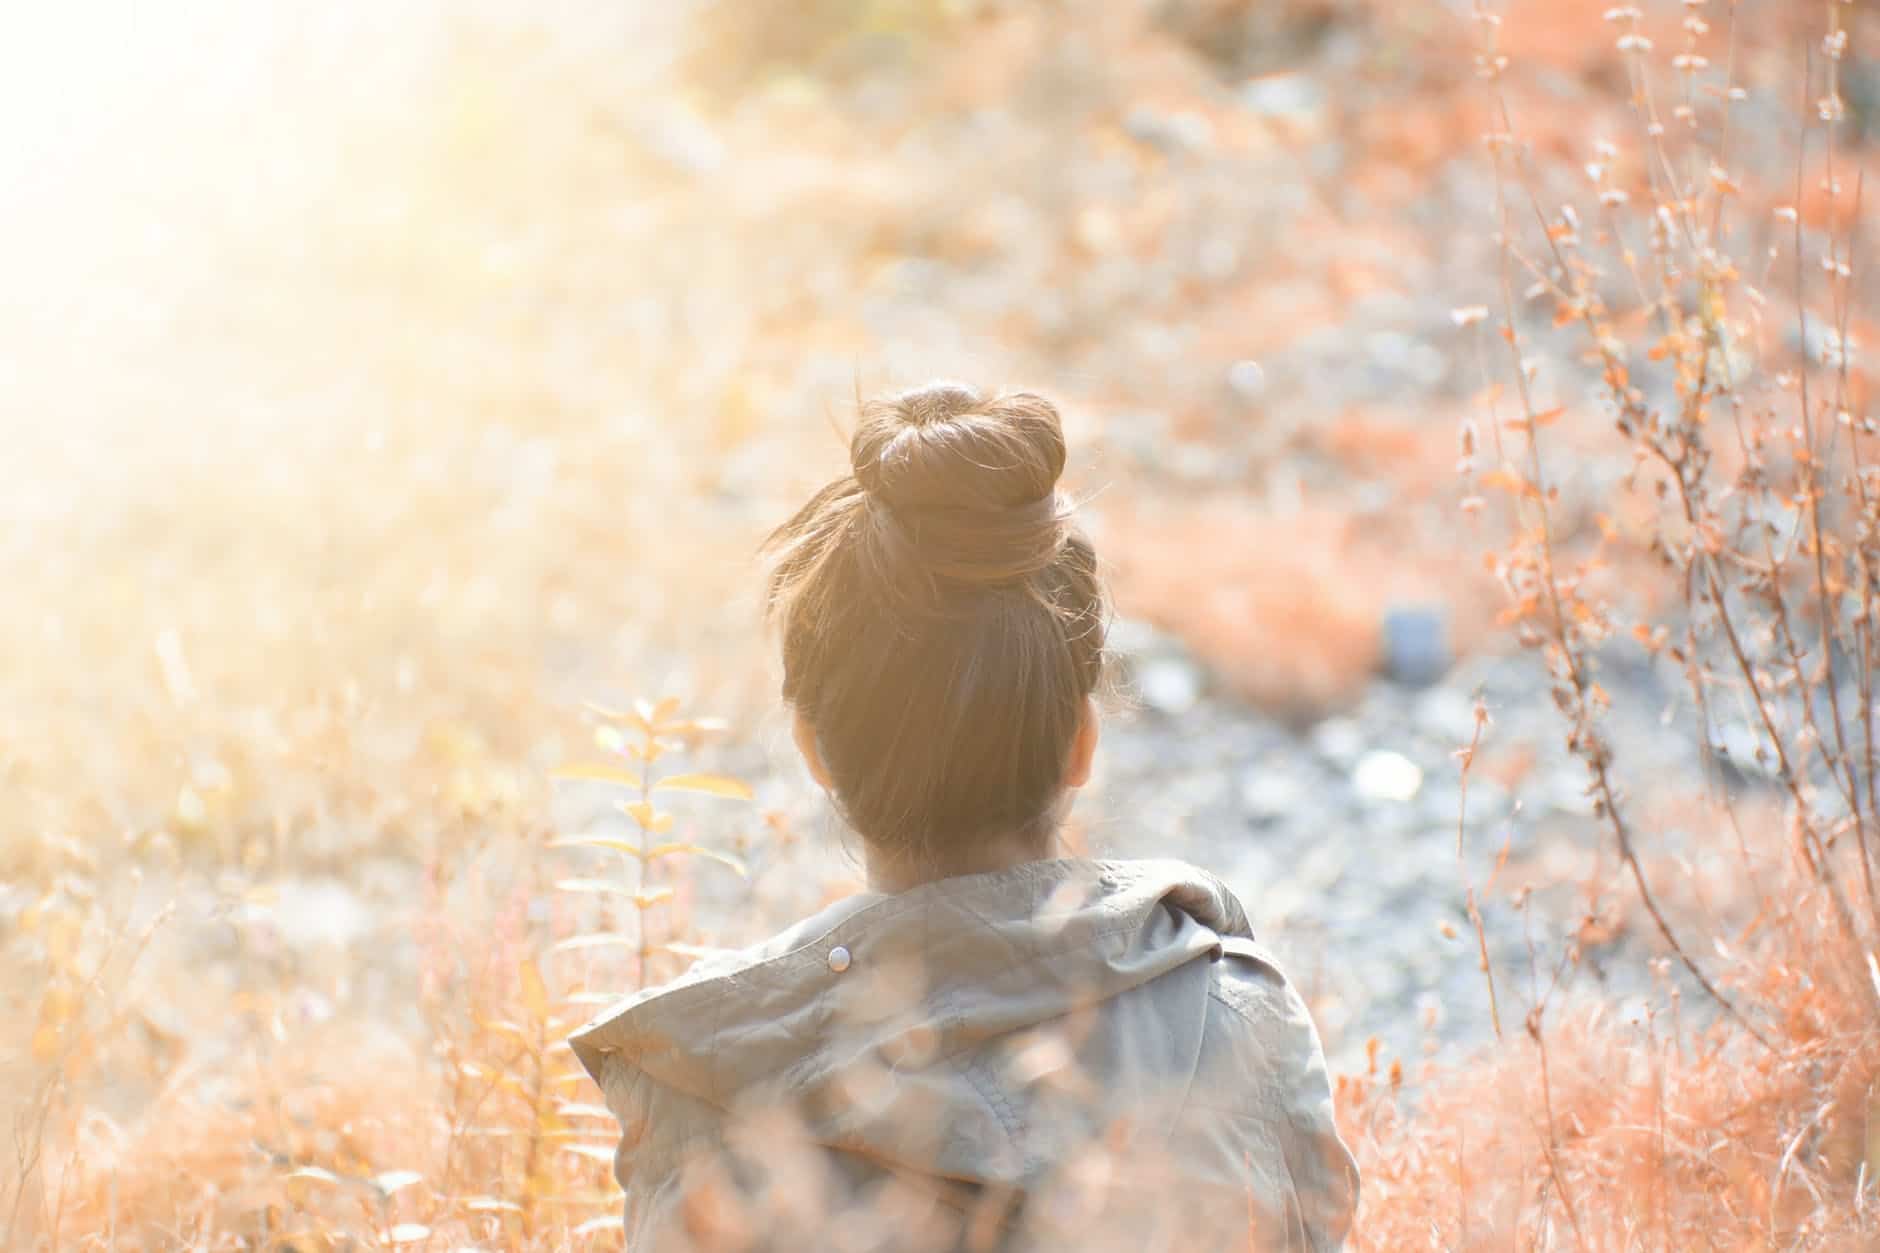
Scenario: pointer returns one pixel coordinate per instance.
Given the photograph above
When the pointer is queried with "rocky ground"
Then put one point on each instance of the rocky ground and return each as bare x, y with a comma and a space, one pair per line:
482, 412
1342, 837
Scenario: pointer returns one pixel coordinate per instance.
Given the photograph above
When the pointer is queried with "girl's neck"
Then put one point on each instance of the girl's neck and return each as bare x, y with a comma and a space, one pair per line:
893, 874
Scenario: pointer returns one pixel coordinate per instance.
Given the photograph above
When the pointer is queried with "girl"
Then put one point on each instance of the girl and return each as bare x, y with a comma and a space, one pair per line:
991, 1048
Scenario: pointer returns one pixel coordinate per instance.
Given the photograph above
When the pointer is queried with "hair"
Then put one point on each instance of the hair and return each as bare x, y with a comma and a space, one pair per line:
942, 622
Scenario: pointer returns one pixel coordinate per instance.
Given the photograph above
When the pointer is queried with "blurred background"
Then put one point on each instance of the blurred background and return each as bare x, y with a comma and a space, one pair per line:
380, 382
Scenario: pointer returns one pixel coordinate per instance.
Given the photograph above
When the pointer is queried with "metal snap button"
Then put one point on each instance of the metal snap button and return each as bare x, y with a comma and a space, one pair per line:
838, 959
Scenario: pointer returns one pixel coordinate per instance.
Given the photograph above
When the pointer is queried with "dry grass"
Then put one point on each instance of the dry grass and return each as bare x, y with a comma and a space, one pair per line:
1602, 1126
352, 648
1731, 1110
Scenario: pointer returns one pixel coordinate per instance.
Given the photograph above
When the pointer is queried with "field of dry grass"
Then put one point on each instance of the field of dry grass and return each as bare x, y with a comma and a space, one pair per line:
396, 397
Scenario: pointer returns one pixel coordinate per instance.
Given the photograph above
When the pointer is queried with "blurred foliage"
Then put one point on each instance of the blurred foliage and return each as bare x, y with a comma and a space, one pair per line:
739, 43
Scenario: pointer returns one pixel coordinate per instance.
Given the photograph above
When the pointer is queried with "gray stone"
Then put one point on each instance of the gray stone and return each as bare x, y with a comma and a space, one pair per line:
1339, 739
1170, 132
1394, 360
1297, 97
1447, 715
1247, 380
1416, 646
1269, 794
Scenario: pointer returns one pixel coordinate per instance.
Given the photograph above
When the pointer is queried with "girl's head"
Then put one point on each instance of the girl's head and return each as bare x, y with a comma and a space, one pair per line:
942, 628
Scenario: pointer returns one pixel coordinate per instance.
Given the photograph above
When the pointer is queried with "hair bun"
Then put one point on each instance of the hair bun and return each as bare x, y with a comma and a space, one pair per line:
942, 625
945, 446
970, 482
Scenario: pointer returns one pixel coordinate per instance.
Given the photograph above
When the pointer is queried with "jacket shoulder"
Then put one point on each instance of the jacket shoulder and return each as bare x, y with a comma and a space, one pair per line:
1263, 1092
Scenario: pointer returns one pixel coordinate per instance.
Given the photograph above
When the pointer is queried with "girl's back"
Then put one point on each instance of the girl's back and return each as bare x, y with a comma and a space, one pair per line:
993, 1048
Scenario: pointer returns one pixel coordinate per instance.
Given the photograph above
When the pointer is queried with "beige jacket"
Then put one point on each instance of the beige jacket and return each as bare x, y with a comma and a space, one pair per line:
1068, 1054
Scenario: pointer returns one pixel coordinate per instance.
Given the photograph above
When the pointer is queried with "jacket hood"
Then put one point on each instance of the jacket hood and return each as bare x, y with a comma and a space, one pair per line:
872, 1018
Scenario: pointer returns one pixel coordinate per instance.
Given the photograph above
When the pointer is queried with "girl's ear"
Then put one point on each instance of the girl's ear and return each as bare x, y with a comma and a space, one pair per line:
805, 737
1083, 748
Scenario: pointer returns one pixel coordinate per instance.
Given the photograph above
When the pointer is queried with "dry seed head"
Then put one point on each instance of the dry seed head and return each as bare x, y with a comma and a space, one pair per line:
1690, 62
1468, 315
1624, 13
1634, 42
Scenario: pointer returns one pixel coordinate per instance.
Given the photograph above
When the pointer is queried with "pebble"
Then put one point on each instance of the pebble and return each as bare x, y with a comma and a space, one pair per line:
1385, 777
1737, 744
1416, 645
1394, 361
1177, 132
1339, 739
1247, 380
683, 141
1268, 794
1295, 97
1564, 790
1169, 685
311, 914
1447, 714
1132, 637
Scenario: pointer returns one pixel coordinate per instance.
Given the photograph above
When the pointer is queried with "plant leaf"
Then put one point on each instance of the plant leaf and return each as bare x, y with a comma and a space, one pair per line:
604, 886
599, 939
596, 841
697, 952
491, 1205
315, 1173
534, 992
395, 1180
648, 818
597, 772
592, 999
696, 726
605, 711
1536, 422
696, 850
710, 784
